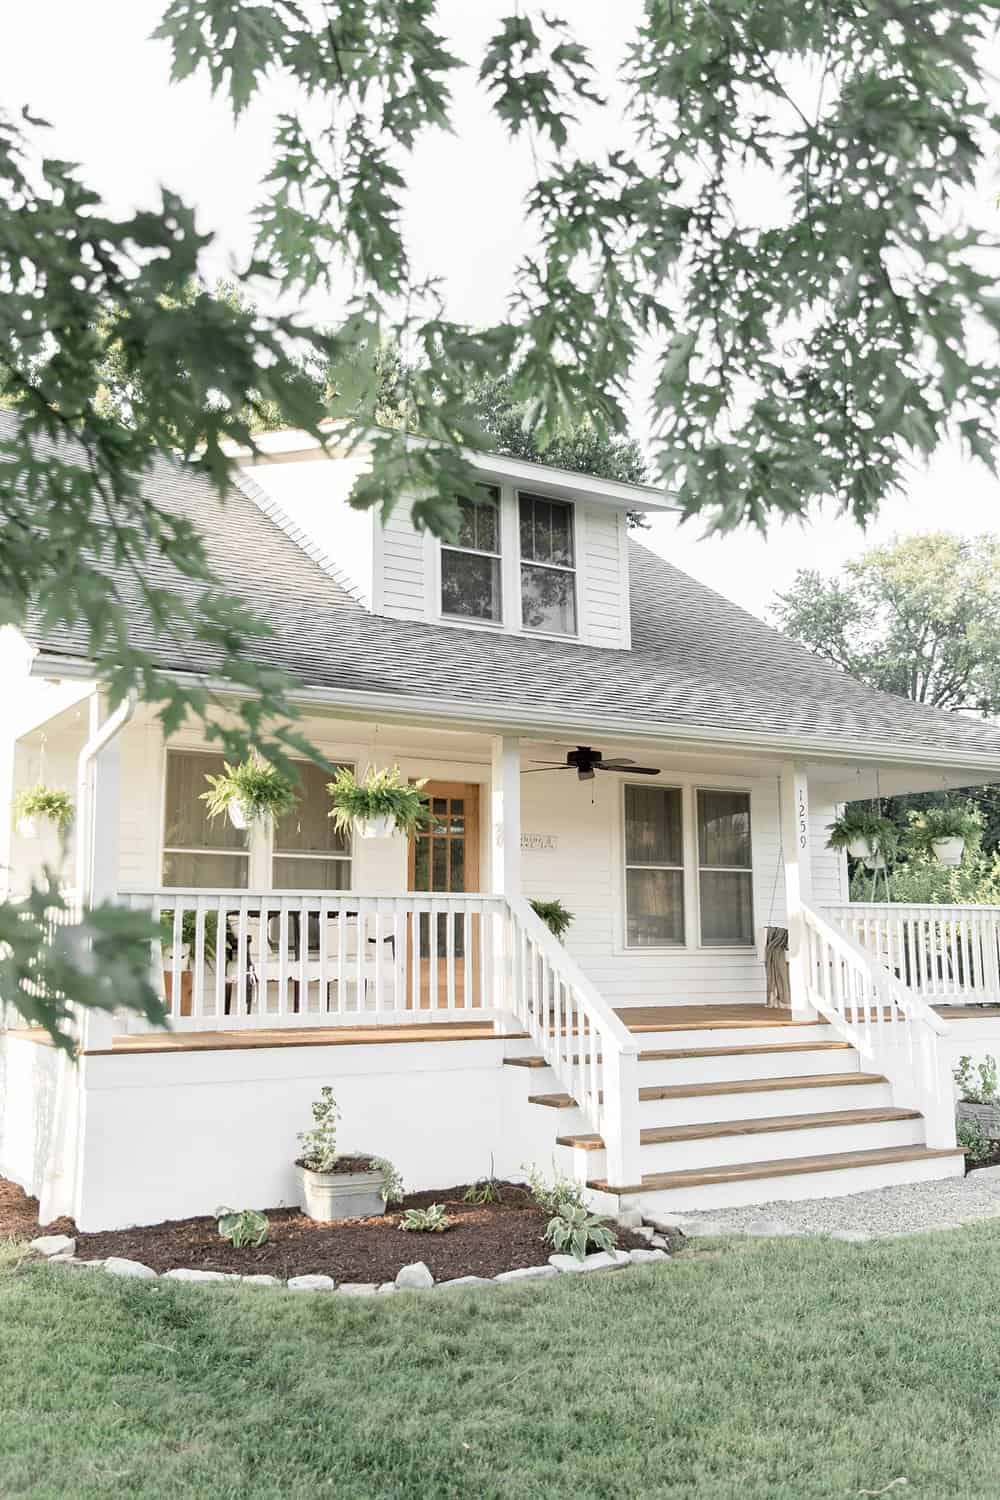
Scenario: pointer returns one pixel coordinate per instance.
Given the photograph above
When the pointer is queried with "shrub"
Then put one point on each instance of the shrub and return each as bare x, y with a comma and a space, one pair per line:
555, 916
319, 1145
392, 1182
44, 802
242, 1229
576, 1228
972, 1137
378, 794
965, 1074
431, 1220
262, 790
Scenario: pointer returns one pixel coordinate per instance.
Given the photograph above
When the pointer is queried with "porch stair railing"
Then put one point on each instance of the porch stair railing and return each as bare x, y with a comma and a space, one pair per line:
589, 1048
894, 1028
946, 953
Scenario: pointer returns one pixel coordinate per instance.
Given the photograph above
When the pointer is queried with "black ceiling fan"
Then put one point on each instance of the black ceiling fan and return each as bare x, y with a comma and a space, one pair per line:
585, 761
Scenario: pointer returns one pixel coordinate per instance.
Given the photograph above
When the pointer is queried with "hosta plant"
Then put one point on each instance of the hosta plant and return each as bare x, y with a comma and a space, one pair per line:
248, 1228
48, 803
378, 795
576, 1229
432, 1220
555, 916
251, 792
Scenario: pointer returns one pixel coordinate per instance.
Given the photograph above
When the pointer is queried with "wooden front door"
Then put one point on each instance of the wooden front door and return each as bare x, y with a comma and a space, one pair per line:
444, 970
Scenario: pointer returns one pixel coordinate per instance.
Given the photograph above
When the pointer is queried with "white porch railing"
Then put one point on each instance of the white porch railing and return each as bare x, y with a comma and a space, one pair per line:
894, 1029
589, 1048
244, 959
946, 953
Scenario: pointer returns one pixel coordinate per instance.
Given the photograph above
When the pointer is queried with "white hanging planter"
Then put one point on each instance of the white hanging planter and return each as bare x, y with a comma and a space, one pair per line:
239, 816
383, 826
27, 828
874, 861
183, 957
860, 849
949, 851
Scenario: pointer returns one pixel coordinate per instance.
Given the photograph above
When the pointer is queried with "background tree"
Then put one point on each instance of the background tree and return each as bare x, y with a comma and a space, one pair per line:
807, 351
919, 617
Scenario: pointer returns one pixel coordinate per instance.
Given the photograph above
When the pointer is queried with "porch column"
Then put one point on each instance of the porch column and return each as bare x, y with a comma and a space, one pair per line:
798, 877
505, 816
98, 860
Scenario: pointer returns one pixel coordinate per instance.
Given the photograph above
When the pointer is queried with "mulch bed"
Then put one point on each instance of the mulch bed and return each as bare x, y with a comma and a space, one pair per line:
484, 1239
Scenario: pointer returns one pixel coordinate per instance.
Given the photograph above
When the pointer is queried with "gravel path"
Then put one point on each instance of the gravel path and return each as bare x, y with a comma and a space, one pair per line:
909, 1208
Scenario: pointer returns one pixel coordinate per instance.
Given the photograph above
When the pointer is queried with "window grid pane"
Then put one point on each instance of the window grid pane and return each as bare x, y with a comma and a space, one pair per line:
311, 874
725, 881
308, 827
470, 569
654, 874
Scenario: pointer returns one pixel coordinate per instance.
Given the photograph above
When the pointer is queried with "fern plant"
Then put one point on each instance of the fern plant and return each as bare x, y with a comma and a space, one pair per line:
47, 802
935, 823
379, 794
555, 916
243, 1229
432, 1220
250, 792
860, 825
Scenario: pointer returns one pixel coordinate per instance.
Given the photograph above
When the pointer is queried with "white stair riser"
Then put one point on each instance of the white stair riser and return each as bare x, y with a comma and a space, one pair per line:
778, 1145
834, 1184
729, 1067
707, 1109
737, 1036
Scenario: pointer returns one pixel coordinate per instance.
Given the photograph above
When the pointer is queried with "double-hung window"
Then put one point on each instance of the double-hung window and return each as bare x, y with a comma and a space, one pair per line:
470, 567
548, 565
310, 853
725, 879
654, 867
199, 850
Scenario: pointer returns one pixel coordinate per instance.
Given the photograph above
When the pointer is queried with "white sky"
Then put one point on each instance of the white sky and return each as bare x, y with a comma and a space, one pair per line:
92, 72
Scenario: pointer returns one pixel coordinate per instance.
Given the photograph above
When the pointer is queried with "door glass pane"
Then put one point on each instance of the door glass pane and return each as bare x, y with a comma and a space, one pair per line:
226, 871
470, 585
187, 823
653, 826
548, 600
439, 876
312, 874
655, 907
457, 881
724, 828
308, 827
726, 908
422, 864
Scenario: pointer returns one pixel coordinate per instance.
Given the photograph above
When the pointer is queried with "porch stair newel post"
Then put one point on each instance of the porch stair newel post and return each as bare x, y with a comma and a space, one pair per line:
794, 786
505, 861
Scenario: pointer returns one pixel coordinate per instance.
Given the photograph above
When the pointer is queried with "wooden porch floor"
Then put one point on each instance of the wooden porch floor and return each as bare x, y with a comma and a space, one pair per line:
639, 1019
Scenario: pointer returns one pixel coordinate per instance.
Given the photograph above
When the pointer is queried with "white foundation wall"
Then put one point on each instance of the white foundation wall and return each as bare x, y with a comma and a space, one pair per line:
28, 1074
178, 1134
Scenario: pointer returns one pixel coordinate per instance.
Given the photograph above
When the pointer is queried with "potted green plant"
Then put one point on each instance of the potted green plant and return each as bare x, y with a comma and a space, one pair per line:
866, 835
189, 933
943, 832
378, 805
979, 1094
335, 1184
42, 804
555, 916
251, 792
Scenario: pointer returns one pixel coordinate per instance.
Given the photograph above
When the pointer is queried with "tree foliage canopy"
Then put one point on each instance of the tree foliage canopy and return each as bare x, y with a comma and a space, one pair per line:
919, 616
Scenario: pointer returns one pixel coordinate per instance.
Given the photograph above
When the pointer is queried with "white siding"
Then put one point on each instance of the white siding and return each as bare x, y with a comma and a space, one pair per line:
603, 576
401, 567
829, 866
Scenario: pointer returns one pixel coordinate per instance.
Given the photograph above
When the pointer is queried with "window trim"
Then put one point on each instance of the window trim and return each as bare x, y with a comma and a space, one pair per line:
497, 556
245, 853
699, 868
274, 853
626, 865
529, 562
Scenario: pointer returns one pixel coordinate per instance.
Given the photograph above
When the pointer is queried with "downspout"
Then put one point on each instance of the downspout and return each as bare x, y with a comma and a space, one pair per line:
57, 1191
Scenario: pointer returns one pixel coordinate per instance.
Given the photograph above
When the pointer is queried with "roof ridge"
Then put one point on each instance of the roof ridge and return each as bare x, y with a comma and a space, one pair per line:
305, 543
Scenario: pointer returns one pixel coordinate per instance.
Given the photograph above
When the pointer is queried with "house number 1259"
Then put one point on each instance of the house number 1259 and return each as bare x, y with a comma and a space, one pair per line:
803, 819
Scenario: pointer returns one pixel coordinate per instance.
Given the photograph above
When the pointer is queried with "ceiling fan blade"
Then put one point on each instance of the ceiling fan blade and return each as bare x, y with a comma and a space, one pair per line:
559, 764
539, 769
616, 762
632, 770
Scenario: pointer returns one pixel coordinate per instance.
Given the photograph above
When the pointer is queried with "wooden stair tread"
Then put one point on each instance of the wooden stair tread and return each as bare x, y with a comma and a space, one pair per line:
791, 1167
661, 1135
553, 1101
525, 1062
759, 1085
658, 1054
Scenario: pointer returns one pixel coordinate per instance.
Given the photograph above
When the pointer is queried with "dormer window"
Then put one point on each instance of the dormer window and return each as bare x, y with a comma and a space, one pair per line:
548, 566
470, 568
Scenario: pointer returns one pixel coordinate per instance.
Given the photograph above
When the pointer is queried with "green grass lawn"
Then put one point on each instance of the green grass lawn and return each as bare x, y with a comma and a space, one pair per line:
778, 1369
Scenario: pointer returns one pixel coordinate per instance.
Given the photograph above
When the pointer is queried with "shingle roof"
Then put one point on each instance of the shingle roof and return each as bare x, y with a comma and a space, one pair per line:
698, 662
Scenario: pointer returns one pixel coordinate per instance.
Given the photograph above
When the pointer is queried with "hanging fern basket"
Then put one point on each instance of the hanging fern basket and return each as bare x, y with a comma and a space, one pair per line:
381, 826
949, 851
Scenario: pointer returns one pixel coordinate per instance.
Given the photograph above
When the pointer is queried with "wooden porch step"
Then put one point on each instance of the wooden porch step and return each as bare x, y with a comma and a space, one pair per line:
662, 1054
733, 1086
524, 1062
662, 1135
796, 1166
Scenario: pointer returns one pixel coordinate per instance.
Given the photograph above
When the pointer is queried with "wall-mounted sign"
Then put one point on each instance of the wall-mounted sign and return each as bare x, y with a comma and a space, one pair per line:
539, 841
